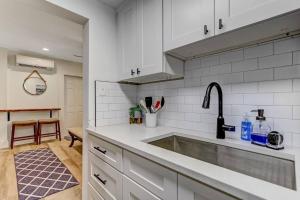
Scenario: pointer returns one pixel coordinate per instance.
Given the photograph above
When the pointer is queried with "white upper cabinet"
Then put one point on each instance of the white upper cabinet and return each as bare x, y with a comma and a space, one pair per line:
150, 52
187, 21
128, 39
233, 14
140, 38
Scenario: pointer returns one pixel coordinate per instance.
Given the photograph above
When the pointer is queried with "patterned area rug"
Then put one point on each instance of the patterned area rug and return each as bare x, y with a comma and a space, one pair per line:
40, 173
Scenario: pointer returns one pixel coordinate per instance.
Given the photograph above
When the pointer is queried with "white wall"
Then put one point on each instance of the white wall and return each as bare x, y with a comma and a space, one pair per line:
99, 61
14, 97
3, 100
101, 45
265, 76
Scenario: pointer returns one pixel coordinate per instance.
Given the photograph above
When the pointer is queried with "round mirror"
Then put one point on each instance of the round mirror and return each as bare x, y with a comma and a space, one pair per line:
34, 85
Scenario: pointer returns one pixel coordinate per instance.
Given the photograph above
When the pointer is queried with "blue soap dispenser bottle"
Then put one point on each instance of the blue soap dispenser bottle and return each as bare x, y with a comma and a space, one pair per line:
246, 128
260, 129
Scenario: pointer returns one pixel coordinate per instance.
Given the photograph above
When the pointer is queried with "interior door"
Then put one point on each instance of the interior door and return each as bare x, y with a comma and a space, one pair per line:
238, 13
150, 36
73, 102
128, 39
184, 22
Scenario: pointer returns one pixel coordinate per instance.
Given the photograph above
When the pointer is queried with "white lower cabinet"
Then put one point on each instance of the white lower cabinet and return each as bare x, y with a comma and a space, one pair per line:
189, 189
93, 194
133, 191
106, 180
154, 177
108, 152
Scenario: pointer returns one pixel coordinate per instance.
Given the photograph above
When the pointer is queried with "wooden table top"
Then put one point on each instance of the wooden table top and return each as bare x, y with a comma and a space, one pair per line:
29, 109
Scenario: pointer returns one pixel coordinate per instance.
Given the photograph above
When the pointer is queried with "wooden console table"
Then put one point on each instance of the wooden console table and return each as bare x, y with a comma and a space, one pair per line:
50, 110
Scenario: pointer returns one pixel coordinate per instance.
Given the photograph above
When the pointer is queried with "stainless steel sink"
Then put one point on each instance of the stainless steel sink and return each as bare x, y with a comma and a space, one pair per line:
272, 169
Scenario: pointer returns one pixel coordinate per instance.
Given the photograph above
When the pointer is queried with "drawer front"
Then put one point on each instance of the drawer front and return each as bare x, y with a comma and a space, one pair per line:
93, 194
155, 178
106, 151
133, 191
189, 189
106, 180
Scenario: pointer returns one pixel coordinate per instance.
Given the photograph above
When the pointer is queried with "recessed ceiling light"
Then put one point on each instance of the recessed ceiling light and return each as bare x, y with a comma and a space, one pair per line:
45, 49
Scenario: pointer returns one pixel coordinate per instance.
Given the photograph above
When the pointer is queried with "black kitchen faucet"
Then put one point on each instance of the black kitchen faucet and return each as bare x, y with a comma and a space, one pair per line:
221, 127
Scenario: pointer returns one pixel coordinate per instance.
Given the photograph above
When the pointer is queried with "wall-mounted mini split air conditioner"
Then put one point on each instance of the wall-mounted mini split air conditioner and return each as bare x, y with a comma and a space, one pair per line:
27, 61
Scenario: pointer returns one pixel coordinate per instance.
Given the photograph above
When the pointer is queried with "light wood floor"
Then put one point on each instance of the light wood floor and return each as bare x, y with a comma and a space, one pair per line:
71, 157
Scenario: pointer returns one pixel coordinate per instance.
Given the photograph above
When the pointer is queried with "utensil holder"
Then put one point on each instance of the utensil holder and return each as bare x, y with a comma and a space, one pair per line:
151, 120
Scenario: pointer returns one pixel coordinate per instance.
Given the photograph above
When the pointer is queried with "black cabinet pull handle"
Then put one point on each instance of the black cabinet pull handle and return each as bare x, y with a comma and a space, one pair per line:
220, 24
98, 177
98, 149
138, 71
205, 30
132, 72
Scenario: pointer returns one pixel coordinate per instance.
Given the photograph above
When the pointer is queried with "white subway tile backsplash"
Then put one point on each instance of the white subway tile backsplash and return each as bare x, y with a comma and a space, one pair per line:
193, 100
287, 45
259, 75
296, 85
276, 86
258, 99
296, 112
231, 78
232, 56
287, 72
193, 117
276, 60
245, 88
193, 64
220, 69
287, 125
296, 140
233, 99
242, 109
204, 71
259, 51
113, 101
210, 61
287, 99
296, 57
251, 78
285, 112
245, 65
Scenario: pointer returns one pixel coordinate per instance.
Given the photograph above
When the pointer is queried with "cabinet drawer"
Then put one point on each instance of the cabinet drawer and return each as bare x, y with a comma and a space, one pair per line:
189, 189
155, 178
133, 191
106, 180
93, 194
106, 151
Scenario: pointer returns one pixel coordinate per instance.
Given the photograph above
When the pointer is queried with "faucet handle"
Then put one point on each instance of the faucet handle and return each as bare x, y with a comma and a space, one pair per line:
228, 128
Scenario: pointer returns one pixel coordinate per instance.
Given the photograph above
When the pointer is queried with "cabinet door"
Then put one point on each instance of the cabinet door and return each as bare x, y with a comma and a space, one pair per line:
154, 177
184, 22
189, 189
150, 52
106, 180
93, 194
128, 39
133, 191
108, 152
238, 13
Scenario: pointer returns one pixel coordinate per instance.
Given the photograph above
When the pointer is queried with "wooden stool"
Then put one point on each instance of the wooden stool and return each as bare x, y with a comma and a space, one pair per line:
42, 122
76, 134
16, 124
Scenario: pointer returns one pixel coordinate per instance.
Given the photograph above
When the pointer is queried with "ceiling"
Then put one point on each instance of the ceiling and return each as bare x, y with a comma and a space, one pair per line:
112, 3
28, 26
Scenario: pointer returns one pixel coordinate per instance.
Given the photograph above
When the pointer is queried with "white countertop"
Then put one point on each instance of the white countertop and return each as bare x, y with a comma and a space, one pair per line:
134, 138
